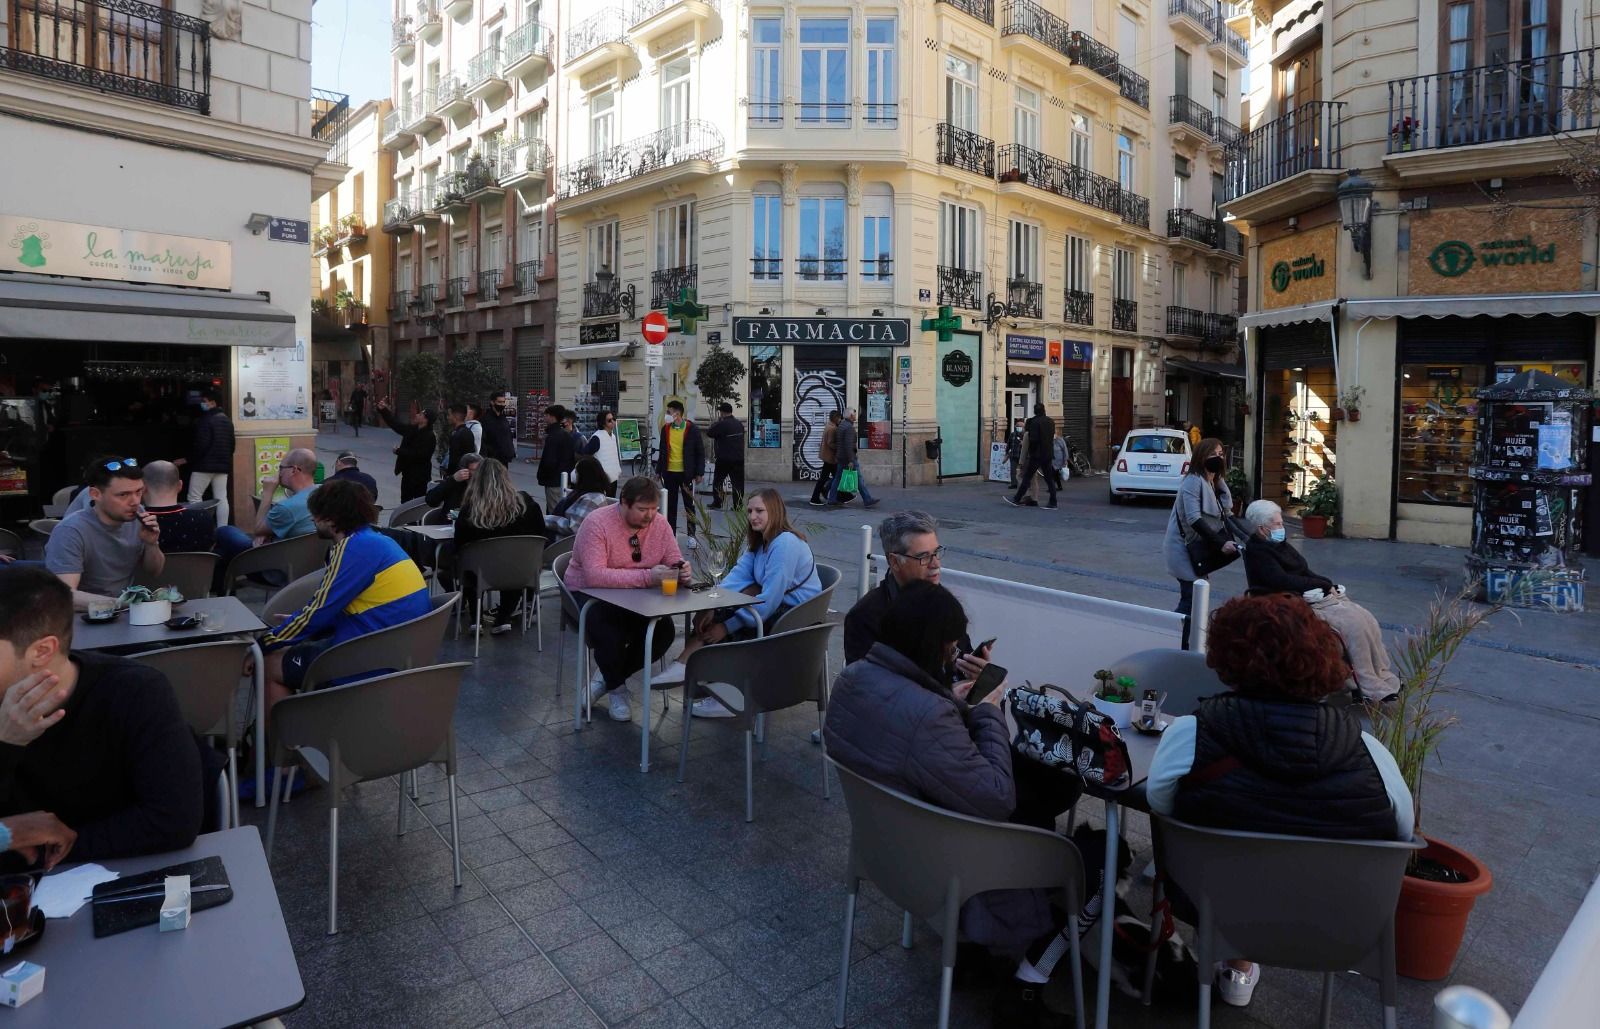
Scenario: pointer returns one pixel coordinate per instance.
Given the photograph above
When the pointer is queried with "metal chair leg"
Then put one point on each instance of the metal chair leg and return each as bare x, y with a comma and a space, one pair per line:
844, 963
1077, 970
946, 981
233, 785
477, 626
827, 791
749, 777
683, 749
333, 870
905, 931
1327, 1003
272, 813
1205, 1003
1156, 923
416, 793
400, 814
455, 829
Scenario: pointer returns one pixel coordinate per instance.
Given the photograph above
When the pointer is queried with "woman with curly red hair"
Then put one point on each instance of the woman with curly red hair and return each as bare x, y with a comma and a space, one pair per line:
1270, 756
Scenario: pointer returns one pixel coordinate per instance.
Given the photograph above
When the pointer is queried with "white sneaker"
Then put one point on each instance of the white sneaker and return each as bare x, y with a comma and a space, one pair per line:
618, 704
710, 707
668, 676
597, 688
1236, 986
500, 629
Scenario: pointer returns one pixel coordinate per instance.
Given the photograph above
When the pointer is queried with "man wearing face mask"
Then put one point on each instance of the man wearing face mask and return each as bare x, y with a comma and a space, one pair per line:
211, 456
498, 442
1202, 495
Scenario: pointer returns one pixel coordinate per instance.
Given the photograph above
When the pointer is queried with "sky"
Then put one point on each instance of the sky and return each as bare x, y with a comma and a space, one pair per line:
350, 48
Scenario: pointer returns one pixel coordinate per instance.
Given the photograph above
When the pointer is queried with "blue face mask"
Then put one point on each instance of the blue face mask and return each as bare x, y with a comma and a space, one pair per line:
1279, 534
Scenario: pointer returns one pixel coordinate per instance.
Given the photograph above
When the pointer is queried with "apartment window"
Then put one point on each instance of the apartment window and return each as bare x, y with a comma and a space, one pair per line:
882, 94
358, 195
961, 92
675, 244
531, 245
1128, 39
1501, 32
822, 253
766, 71
495, 36
877, 239
1219, 95
675, 99
958, 236
458, 159
432, 80
825, 70
430, 179
494, 254
1082, 142
1125, 162
1122, 282
767, 237
1025, 118
602, 121
1215, 297
1023, 264
405, 99
605, 249
1080, 271
433, 268
530, 12
403, 280
1180, 182
1216, 190
489, 148
1180, 285
461, 260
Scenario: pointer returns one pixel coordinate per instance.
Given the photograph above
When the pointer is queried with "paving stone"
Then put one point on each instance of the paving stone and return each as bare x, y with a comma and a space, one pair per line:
516, 986
560, 927
722, 1003
618, 996
683, 967
590, 957
471, 918
494, 949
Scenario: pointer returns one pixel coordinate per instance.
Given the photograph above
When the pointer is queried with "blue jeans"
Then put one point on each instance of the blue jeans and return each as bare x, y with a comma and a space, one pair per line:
231, 542
861, 484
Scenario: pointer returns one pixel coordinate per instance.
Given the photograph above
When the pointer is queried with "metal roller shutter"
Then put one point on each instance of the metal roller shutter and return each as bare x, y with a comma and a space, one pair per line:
489, 347
1076, 402
530, 373
1296, 346
1482, 340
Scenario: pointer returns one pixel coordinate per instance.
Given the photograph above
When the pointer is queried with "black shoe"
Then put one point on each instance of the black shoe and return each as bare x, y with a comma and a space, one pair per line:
1050, 506
818, 503
870, 504
977, 969
1020, 1005
714, 507
1012, 500
1029, 502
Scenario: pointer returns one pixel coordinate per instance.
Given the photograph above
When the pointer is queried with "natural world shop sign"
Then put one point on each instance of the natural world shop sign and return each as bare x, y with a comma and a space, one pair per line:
1456, 257
1472, 251
1299, 268
124, 255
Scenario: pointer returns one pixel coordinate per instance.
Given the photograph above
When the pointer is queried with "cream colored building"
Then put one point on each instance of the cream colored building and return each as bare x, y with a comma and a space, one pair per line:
1482, 248
824, 179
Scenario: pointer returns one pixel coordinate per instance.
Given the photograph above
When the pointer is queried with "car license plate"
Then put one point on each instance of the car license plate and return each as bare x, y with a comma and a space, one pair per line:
1154, 468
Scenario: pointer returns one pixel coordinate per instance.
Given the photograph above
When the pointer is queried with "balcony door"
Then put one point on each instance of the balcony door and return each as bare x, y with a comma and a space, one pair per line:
1500, 64
1300, 87
961, 92
675, 100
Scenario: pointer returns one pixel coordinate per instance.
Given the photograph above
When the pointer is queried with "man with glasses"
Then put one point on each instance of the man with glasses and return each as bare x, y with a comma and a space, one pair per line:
280, 518
624, 546
911, 542
98, 550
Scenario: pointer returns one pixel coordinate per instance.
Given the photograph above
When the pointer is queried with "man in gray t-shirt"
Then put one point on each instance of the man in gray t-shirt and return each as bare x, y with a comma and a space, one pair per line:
98, 551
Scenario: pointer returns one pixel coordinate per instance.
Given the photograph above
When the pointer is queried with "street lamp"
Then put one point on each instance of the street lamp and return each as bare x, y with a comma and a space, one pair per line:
994, 311
1355, 211
627, 299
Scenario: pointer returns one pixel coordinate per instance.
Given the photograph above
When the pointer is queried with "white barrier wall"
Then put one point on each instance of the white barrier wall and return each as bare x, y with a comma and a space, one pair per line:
1567, 995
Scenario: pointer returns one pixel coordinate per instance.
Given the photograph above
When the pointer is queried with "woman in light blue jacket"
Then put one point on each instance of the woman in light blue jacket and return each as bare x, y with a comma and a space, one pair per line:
1203, 491
777, 567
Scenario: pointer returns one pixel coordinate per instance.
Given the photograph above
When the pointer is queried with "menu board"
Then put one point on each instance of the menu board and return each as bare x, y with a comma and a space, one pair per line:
628, 447
272, 383
270, 451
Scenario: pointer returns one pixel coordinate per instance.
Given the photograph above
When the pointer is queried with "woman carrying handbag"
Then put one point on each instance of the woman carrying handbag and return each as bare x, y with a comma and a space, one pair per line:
1200, 538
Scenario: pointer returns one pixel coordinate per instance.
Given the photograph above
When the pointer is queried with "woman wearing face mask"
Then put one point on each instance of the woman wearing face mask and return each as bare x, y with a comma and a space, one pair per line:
1204, 491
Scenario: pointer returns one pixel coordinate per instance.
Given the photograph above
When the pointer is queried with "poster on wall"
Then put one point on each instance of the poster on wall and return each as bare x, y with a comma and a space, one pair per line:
628, 445
272, 383
771, 435
1052, 380
999, 466
270, 451
878, 417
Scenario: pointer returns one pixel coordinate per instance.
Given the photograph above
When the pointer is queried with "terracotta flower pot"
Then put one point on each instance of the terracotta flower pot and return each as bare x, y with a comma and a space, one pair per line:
1314, 526
1431, 918
1338, 414
1355, 414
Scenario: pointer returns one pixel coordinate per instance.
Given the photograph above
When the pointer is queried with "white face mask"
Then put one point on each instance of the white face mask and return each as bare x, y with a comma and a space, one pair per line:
1278, 535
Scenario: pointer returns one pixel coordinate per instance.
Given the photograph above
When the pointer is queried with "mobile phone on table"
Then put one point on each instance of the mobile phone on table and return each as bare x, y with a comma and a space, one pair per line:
988, 680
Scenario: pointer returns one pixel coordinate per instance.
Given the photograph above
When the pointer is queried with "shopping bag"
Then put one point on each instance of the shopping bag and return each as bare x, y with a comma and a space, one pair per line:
849, 480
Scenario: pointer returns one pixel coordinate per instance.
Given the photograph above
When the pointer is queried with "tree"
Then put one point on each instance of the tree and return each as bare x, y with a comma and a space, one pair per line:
466, 378
719, 373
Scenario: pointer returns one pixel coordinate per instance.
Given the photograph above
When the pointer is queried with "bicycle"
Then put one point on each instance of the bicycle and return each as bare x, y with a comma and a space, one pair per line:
1077, 462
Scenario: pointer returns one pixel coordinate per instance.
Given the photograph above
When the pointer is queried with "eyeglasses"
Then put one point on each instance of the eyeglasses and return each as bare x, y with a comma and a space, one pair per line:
117, 466
633, 541
924, 558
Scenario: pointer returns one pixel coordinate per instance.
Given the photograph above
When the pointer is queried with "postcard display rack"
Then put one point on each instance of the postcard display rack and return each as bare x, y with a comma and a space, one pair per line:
1530, 466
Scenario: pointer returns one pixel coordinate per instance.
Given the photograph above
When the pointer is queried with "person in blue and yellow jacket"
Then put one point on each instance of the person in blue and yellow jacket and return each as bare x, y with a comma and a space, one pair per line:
369, 584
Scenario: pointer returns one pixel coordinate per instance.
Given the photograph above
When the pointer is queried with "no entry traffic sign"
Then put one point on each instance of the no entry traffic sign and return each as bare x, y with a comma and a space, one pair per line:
654, 327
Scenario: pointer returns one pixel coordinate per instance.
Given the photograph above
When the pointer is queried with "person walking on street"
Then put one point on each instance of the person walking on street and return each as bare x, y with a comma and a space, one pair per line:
413, 458
828, 454
1037, 448
1014, 451
558, 457
680, 461
845, 445
602, 446
1204, 491
211, 455
358, 407
498, 440
1058, 457
727, 435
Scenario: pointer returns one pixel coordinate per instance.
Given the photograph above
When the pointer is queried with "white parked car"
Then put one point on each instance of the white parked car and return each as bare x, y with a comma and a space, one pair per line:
1149, 463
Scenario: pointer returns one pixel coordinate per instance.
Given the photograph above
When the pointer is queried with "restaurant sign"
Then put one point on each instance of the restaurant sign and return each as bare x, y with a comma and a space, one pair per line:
122, 255
776, 330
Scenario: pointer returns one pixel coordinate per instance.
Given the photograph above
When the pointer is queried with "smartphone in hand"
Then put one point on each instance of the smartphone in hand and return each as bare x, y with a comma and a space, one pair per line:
988, 681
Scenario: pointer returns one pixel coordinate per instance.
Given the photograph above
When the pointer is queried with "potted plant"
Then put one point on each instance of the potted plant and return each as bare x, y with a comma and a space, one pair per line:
352, 310
1321, 506
327, 238
1239, 487
147, 606
1402, 131
1114, 697
1351, 401
319, 306
1442, 882
353, 227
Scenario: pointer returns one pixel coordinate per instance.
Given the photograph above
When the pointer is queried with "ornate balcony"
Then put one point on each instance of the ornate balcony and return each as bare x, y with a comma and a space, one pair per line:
482, 176
1230, 46
395, 136
821, 269
400, 303
528, 275
125, 47
449, 192
451, 99
676, 145
1092, 55
455, 291
1124, 315
1077, 307
651, 19
1193, 17
1224, 133
1188, 226
423, 302
1018, 163
1024, 299
602, 300
421, 117
1135, 209
1182, 110
429, 22
983, 10
402, 41
960, 287
486, 77
1133, 86
1186, 322
1026, 18
964, 149
1229, 242
524, 161
526, 50
1221, 329
1532, 99
489, 286
597, 40
422, 204
667, 284
1309, 138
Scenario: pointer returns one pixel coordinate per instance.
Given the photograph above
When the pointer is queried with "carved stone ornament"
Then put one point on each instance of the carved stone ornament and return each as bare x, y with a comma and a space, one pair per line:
225, 16
672, 190
852, 184
964, 190
788, 170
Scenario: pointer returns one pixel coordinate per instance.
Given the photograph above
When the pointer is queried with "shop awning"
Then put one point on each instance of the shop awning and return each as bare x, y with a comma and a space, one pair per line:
593, 351
1034, 368
1215, 369
1495, 305
1319, 312
44, 308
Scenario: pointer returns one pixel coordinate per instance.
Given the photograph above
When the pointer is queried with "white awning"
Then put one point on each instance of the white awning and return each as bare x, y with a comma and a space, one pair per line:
1495, 305
593, 351
1319, 312
1036, 368
39, 307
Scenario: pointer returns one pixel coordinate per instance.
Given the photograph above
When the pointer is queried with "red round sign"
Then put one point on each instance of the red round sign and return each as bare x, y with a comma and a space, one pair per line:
655, 327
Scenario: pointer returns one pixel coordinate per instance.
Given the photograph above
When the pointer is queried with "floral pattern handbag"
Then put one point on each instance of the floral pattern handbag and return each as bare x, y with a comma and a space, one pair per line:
1059, 731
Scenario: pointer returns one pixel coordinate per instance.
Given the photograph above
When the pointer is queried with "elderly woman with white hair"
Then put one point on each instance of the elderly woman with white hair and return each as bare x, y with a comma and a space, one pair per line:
1272, 565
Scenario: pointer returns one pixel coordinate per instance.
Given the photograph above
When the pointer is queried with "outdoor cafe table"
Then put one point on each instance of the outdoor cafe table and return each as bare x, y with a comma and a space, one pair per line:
1141, 752
652, 605
437, 533
233, 965
225, 616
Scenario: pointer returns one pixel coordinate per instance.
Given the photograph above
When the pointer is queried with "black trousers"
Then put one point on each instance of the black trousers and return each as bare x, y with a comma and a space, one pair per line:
1029, 470
821, 492
617, 639
1185, 605
413, 485
679, 486
729, 469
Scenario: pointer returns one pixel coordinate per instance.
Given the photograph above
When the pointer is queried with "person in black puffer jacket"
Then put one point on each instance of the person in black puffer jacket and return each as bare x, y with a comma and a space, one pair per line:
1270, 756
413, 458
211, 456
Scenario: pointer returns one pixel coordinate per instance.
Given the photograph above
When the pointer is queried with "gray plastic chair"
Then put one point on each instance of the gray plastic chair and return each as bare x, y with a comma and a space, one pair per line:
205, 677
570, 609
1251, 897
502, 564
753, 677
1181, 674
410, 644
294, 557
409, 513
10, 543
829, 575
436, 516
370, 730
292, 597
189, 570
57, 508
928, 861
44, 526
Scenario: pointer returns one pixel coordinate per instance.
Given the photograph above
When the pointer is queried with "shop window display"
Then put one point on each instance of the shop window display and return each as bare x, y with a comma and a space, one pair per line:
766, 398
1299, 438
1438, 432
875, 372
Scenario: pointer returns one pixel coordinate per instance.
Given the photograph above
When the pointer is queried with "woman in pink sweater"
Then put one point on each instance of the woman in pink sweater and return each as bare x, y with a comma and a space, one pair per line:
625, 546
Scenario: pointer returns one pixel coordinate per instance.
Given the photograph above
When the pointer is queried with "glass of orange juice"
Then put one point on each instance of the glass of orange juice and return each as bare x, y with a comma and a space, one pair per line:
669, 585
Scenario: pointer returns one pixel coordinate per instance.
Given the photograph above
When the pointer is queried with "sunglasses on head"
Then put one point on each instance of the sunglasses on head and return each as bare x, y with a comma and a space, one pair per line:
633, 541
117, 466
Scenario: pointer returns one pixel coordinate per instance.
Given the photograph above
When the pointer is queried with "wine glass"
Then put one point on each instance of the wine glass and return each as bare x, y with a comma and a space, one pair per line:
713, 564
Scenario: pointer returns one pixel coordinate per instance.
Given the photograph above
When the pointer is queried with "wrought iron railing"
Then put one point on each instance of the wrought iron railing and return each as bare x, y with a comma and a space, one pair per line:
449, 191
1183, 223
525, 41
400, 303
692, 140
882, 115
419, 111
482, 173
766, 112
1186, 321
1018, 163
600, 301
1228, 240
965, 149
489, 285
394, 123
1125, 315
428, 13
608, 26
877, 269
1525, 99
1135, 209
1133, 86
422, 200
399, 33
831, 113
524, 157
1221, 328
644, 10
125, 47
1231, 41
960, 287
423, 302
484, 66
983, 10
1026, 18
1077, 307
766, 269
1094, 55
821, 269
1182, 110
1024, 299
667, 284
1308, 138
528, 275
449, 92
330, 120
455, 291
1200, 12
1225, 131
